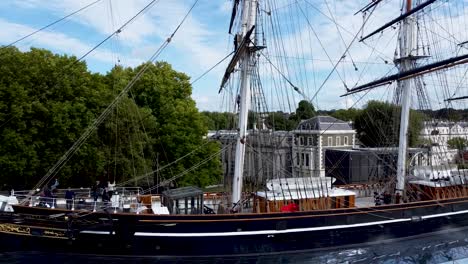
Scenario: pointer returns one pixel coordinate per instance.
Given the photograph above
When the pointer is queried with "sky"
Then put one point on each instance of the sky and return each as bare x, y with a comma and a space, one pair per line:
324, 27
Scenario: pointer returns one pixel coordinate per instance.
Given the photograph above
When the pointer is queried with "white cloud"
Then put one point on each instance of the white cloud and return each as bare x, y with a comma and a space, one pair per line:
57, 41
194, 40
202, 41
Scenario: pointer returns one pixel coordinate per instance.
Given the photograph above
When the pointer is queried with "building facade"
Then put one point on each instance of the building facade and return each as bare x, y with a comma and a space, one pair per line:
437, 134
285, 154
267, 154
312, 137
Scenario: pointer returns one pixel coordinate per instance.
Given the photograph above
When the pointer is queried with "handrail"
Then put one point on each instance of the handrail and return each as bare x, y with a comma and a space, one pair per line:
86, 203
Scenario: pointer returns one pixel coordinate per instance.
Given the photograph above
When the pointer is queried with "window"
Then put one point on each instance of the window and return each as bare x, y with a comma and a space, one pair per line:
310, 141
307, 160
338, 141
303, 159
301, 140
297, 159
345, 141
330, 141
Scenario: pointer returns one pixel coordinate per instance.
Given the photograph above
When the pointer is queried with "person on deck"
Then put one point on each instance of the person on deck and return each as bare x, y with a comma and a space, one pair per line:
377, 199
387, 198
69, 196
105, 196
95, 190
46, 196
110, 189
54, 185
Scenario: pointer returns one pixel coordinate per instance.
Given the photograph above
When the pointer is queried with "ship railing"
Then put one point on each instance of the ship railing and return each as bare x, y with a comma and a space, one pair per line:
117, 203
127, 191
82, 192
123, 200
363, 190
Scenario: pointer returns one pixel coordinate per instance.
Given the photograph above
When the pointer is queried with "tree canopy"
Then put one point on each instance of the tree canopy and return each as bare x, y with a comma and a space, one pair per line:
48, 100
305, 110
274, 120
219, 120
457, 143
280, 121
377, 125
346, 114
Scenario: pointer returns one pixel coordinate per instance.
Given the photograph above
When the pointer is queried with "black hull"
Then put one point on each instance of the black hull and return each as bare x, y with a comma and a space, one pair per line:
208, 235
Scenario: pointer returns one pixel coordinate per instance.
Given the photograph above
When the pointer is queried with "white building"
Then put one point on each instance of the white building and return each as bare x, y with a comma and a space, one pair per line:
438, 133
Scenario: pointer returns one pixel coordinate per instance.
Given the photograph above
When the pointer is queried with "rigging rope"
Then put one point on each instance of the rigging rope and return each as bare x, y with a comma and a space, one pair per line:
210, 69
49, 25
194, 167
119, 30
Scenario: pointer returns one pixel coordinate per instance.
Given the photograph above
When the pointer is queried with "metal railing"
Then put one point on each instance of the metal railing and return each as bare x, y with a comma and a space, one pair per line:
116, 204
124, 199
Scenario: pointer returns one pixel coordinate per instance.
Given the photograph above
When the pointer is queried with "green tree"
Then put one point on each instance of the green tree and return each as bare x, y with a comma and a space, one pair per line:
459, 144
305, 110
47, 101
180, 128
377, 125
219, 121
346, 114
280, 121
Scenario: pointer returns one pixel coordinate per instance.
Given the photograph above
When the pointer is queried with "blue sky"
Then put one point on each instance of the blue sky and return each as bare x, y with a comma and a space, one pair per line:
203, 40
199, 44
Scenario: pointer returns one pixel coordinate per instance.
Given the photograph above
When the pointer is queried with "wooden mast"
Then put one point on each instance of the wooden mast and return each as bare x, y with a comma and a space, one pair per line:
249, 12
405, 63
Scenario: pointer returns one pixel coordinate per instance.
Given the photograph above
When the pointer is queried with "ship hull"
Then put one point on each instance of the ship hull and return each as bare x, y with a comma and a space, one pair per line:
208, 235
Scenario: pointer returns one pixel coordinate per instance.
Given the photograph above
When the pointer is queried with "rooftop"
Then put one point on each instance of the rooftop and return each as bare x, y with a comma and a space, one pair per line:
323, 123
444, 123
189, 191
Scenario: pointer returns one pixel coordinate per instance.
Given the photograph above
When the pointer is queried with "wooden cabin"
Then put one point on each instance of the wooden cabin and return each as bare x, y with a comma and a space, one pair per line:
304, 200
440, 189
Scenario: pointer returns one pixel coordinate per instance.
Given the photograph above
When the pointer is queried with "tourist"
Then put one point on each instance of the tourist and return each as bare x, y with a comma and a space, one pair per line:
110, 189
69, 196
54, 185
95, 190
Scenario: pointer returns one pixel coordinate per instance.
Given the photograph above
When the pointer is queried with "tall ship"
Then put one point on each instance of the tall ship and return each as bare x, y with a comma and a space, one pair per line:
310, 188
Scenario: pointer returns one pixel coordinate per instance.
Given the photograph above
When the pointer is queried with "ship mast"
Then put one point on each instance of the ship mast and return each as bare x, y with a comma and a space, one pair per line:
249, 12
407, 69
406, 62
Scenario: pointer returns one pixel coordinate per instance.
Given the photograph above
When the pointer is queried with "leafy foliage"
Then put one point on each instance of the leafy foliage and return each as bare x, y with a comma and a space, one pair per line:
219, 121
457, 143
460, 144
274, 120
48, 100
378, 124
280, 121
346, 114
305, 110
